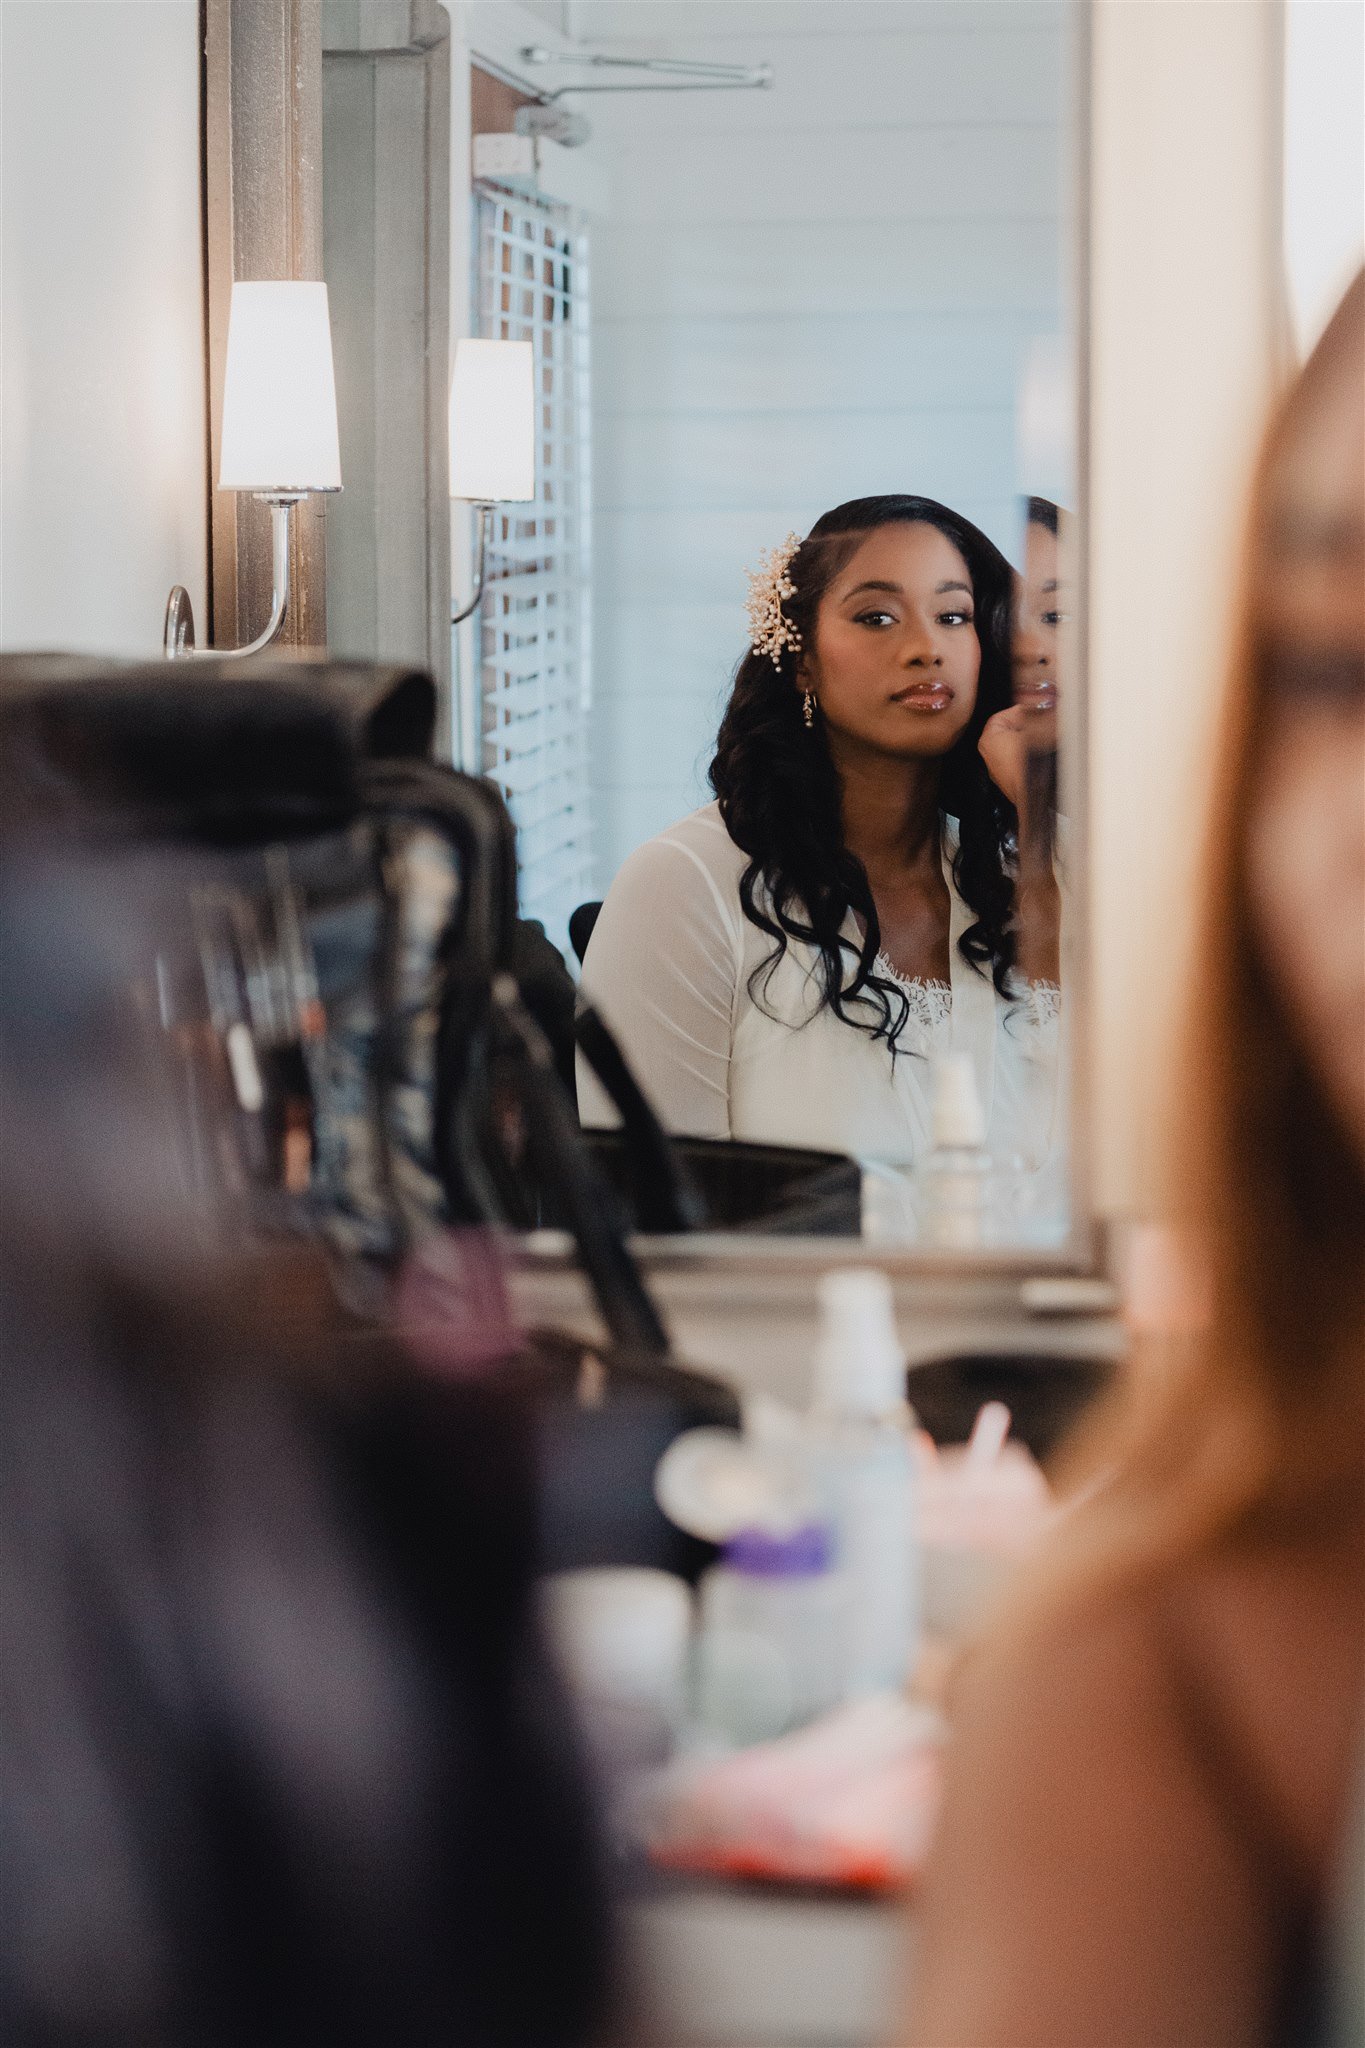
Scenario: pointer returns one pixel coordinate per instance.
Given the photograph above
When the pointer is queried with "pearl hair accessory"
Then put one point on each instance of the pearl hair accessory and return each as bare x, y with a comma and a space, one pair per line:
771, 632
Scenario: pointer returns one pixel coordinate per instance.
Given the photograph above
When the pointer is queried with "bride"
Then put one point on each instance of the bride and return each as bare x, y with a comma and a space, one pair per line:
781, 964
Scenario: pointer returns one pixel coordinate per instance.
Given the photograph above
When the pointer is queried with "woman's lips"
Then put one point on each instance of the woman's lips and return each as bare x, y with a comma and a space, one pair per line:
1036, 696
925, 697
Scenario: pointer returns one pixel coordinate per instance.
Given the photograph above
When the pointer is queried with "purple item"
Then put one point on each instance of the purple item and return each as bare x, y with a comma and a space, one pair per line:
761, 1555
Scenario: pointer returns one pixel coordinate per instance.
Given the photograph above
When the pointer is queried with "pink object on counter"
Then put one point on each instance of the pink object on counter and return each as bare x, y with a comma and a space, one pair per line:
990, 1496
982, 1509
850, 1801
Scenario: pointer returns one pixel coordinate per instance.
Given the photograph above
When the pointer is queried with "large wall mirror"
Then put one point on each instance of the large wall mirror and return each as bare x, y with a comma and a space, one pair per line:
781, 670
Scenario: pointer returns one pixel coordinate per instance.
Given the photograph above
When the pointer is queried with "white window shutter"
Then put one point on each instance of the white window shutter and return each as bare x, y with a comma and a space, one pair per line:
535, 622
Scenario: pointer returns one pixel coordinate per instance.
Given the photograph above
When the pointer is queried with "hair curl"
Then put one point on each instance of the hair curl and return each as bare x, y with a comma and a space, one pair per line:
780, 794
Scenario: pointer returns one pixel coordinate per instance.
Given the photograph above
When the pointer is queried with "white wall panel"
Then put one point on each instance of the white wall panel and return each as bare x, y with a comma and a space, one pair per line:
814, 268
704, 462
667, 23
638, 809
801, 296
1324, 158
671, 727
860, 80
776, 363
102, 493
669, 626
646, 552
893, 173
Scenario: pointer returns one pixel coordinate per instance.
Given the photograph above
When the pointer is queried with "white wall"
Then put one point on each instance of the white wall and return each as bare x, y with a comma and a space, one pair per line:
102, 469
1324, 157
800, 296
1189, 318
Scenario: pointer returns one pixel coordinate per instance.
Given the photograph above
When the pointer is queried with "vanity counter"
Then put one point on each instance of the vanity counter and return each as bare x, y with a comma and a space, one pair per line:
749, 1314
730, 1965
736, 1966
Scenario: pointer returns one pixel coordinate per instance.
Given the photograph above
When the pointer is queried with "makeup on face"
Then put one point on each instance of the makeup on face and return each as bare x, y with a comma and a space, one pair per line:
897, 648
930, 694
1041, 609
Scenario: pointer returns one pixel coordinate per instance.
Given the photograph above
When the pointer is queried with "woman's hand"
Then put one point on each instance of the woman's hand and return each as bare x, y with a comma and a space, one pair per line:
1028, 727
1003, 747
1007, 740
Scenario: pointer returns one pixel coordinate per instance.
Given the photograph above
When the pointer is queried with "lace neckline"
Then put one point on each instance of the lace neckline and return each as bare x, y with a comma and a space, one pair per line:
1042, 1002
1037, 1003
931, 1002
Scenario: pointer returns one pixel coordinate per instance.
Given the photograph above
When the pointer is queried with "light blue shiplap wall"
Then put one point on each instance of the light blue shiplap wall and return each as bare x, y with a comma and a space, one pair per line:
800, 296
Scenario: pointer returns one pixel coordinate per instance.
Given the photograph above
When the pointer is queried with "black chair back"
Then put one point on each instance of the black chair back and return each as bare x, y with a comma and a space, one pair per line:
581, 923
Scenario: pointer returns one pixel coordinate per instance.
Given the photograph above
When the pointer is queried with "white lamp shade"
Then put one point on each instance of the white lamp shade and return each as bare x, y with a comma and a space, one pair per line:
279, 391
493, 423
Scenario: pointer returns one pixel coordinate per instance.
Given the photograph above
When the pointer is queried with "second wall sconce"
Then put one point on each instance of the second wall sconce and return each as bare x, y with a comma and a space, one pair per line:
492, 437
279, 434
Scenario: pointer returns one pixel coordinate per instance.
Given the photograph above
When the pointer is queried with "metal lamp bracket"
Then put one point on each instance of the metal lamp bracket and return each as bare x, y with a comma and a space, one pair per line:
480, 568
178, 637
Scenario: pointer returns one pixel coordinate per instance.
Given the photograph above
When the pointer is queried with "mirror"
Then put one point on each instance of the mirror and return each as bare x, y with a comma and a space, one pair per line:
779, 671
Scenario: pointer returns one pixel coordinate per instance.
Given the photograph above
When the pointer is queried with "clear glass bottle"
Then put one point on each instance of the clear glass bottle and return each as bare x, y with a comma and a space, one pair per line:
767, 1653
860, 1435
955, 1182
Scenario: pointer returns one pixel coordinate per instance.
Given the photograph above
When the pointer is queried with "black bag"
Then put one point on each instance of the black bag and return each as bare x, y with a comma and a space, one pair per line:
344, 984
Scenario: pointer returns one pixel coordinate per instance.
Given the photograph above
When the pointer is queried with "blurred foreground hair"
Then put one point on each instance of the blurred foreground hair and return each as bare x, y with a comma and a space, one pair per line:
282, 1760
1257, 1419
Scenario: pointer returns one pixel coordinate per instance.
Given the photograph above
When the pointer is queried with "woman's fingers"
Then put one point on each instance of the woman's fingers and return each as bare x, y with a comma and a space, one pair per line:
1002, 748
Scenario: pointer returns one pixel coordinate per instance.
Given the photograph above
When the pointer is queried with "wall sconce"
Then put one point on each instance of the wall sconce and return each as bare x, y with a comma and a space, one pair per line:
492, 436
279, 437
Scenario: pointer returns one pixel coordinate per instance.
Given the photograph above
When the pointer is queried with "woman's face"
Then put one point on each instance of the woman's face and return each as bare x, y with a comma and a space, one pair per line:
896, 658
1038, 618
1306, 838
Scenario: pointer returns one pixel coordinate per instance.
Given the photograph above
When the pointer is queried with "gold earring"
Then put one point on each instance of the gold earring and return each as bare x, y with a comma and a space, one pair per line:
808, 709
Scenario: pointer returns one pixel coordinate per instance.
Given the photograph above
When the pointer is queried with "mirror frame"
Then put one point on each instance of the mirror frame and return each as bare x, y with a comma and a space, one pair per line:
263, 207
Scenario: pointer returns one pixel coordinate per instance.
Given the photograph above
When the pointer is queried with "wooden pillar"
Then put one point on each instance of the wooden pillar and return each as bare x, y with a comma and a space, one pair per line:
386, 257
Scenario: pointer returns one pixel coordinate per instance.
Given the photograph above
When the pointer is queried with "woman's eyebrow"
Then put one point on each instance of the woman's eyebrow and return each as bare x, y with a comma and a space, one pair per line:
898, 590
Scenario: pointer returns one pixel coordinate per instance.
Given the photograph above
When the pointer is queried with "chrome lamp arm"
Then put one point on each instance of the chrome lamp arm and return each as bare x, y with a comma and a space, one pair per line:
480, 568
178, 638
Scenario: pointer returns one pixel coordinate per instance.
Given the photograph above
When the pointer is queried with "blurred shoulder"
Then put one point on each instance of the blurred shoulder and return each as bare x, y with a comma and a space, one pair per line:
1061, 1663
1238, 1670
1108, 1866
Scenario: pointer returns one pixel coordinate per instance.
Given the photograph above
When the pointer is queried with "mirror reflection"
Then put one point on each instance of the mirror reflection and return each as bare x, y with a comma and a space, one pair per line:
848, 950
771, 669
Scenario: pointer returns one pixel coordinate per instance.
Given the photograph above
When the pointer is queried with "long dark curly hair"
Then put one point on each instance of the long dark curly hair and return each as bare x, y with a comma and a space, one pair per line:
780, 794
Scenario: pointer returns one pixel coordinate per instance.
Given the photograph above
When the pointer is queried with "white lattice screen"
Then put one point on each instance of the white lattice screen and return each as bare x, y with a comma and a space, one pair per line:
532, 285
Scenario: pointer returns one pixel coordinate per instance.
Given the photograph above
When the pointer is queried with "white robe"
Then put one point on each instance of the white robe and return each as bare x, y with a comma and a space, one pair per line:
669, 966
